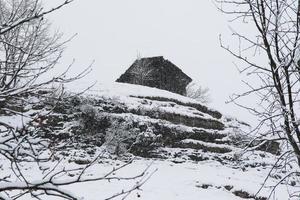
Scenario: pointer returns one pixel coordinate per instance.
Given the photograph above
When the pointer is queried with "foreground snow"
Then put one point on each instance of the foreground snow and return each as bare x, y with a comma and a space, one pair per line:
186, 181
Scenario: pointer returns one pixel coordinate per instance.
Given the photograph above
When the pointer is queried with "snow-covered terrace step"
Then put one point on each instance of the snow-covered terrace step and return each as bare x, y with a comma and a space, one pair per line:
207, 135
159, 105
170, 132
204, 146
176, 118
198, 106
168, 115
171, 135
123, 91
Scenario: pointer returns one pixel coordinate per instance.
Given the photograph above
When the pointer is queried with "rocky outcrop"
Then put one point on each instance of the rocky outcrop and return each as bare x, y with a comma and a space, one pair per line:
145, 126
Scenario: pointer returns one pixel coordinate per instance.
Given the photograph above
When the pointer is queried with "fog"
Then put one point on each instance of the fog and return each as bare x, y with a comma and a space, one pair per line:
115, 32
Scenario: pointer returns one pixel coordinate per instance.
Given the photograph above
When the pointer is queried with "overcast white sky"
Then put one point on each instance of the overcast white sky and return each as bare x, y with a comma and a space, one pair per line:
186, 32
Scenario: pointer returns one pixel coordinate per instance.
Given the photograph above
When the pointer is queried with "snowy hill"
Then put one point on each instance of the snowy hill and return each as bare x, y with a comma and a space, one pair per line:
161, 119
198, 152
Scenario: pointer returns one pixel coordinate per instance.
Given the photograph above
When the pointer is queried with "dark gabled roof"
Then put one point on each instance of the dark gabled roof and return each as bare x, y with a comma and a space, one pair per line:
159, 61
156, 72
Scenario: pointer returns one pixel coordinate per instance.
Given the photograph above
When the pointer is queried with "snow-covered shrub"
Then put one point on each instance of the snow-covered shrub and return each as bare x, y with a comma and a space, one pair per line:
89, 112
120, 136
238, 138
196, 91
129, 135
92, 120
237, 156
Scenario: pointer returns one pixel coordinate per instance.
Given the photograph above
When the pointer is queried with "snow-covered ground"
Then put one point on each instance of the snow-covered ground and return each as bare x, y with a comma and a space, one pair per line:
206, 180
184, 182
176, 178
122, 90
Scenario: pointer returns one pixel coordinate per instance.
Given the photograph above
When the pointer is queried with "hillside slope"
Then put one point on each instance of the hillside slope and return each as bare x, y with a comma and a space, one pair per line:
158, 123
197, 148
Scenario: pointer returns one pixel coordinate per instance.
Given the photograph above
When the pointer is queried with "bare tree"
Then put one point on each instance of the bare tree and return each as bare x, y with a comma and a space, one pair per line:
197, 92
273, 70
28, 51
142, 72
17, 18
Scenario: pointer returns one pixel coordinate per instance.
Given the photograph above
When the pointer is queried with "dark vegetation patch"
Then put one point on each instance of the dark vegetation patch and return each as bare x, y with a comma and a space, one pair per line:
203, 147
228, 187
270, 146
206, 136
10, 106
82, 161
204, 186
197, 158
245, 195
175, 118
239, 193
172, 134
